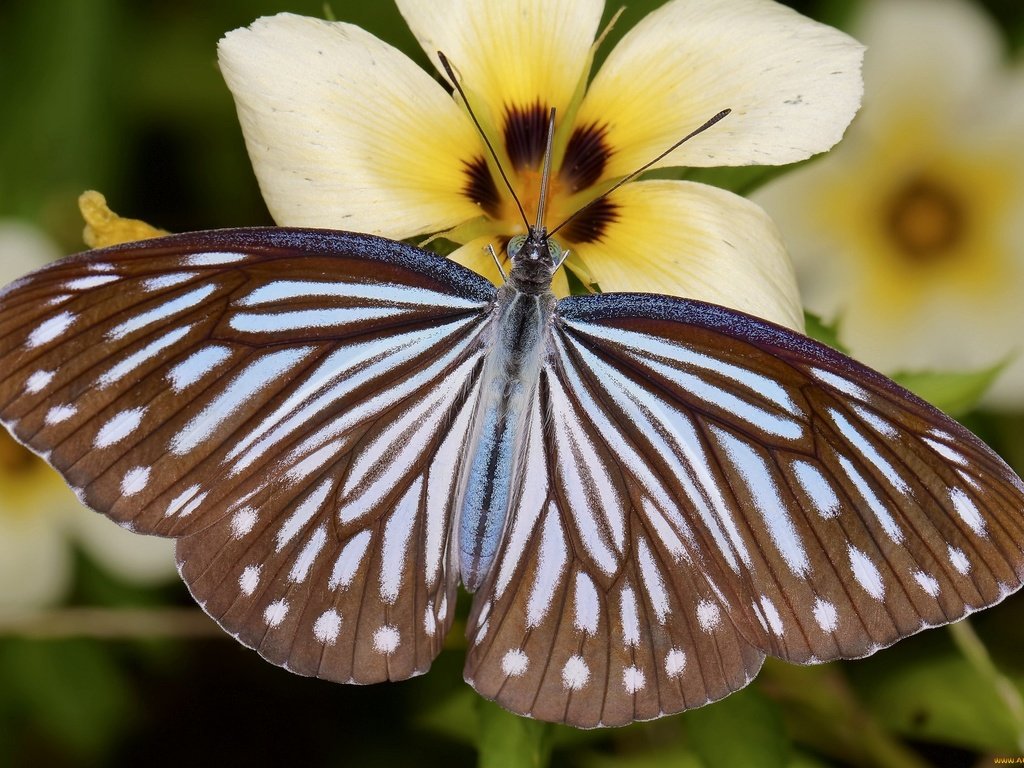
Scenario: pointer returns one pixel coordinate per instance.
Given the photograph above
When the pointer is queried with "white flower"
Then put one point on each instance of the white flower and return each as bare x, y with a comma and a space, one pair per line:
345, 131
40, 518
911, 233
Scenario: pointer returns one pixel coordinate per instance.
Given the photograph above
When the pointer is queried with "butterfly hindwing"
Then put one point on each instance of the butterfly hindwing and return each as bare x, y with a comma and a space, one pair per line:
290, 404
600, 610
716, 489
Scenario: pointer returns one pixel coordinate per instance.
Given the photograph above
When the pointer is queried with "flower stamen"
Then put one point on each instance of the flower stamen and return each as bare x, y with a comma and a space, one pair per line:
925, 220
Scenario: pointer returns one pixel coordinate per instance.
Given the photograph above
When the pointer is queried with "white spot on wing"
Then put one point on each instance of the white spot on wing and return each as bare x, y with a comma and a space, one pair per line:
396, 542
708, 615
817, 487
652, 581
160, 313
347, 564
959, 560
308, 555
38, 381
386, 639
550, 568
275, 612
167, 281
585, 605
92, 281
629, 617
298, 519
967, 510
845, 386
927, 583
59, 413
771, 615
866, 573
50, 329
196, 366
575, 673
249, 579
633, 679
675, 662
186, 502
946, 452
327, 626
212, 258
515, 662
119, 427
135, 479
826, 615
128, 364
242, 522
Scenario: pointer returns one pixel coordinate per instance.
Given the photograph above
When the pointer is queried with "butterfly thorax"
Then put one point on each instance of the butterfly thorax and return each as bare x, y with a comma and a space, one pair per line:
493, 472
534, 260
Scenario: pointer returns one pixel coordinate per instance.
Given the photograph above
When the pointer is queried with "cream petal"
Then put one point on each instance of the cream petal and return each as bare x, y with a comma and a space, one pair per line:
937, 52
25, 247
509, 52
793, 86
696, 241
474, 255
35, 559
131, 556
817, 250
345, 131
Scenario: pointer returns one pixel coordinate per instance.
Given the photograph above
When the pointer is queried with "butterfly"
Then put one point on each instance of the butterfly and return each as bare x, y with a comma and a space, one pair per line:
647, 494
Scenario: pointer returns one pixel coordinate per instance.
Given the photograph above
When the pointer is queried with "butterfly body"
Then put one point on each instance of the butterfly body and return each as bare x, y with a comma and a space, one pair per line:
649, 494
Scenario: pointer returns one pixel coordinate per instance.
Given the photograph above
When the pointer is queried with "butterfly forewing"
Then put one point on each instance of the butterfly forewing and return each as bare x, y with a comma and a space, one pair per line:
292, 404
719, 489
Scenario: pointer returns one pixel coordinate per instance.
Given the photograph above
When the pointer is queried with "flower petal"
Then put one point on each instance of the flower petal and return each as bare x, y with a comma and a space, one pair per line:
792, 84
509, 53
345, 131
696, 241
35, 559
937, 51
25, 248
140, 559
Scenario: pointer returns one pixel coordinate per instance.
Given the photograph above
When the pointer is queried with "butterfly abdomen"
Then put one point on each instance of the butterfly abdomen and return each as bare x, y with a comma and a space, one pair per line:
510, 377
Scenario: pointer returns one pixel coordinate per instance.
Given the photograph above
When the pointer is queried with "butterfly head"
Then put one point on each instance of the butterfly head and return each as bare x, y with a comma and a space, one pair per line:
535, 257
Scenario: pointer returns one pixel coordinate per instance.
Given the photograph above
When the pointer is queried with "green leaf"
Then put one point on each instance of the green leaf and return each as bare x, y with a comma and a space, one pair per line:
926, 690
509, 741
821, 331
955, 393
71, 691
744, 729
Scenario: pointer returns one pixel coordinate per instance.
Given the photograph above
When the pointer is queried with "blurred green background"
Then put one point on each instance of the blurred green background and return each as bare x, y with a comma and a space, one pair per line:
125, 97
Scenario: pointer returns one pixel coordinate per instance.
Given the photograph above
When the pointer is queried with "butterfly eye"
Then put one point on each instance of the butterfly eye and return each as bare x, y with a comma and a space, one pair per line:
515, 245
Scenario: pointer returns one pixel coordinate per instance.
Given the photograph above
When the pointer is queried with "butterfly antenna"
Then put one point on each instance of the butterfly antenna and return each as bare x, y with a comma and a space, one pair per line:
644, 167
458, 87
545, 176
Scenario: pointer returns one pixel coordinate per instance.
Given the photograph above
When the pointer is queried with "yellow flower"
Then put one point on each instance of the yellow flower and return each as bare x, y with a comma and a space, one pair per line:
345, 131
911, 233
40, 518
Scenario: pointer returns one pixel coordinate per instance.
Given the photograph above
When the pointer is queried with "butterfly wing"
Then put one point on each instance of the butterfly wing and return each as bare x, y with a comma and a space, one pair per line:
289, 404
702, 489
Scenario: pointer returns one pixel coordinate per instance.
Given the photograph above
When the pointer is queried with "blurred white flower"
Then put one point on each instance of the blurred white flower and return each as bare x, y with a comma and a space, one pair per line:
911, 233
40, 518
